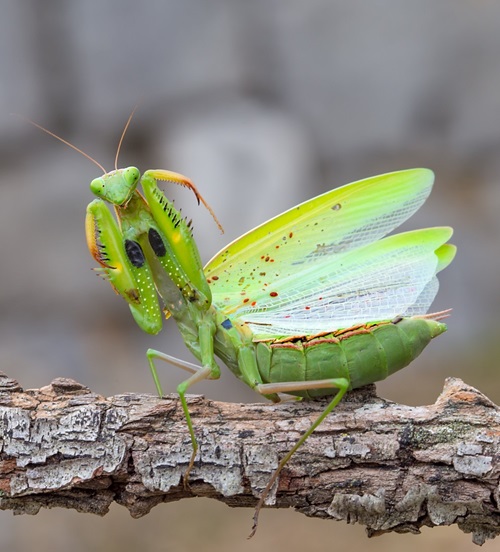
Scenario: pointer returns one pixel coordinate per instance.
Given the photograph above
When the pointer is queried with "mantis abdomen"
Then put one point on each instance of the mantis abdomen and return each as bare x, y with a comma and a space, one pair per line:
362, 355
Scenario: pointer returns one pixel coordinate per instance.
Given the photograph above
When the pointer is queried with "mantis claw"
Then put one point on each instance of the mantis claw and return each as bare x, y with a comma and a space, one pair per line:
185, 478
181, 180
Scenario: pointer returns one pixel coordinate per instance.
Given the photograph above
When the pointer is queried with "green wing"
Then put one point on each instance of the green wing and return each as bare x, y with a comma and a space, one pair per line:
393, 276
277, 267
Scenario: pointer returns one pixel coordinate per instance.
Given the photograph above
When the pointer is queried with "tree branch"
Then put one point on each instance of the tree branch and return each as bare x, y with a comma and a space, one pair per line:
388, 466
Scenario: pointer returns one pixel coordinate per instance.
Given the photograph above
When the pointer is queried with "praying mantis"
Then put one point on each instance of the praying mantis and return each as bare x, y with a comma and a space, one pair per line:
312, 303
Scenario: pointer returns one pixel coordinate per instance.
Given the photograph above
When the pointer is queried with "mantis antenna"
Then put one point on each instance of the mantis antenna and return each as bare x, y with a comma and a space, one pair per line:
65, 141
123, 135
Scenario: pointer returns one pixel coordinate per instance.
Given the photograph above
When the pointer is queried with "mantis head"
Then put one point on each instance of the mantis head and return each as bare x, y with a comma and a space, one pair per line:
117, 186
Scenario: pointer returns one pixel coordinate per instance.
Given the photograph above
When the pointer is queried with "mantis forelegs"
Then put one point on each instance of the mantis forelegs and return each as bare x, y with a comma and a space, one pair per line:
342, 384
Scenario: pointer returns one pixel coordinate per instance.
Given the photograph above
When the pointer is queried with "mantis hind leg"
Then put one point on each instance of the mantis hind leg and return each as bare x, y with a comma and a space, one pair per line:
342, 384
199, 373
152, 354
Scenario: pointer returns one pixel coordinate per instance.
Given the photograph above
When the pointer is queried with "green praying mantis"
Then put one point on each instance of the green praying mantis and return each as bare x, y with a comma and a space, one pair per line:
312, 303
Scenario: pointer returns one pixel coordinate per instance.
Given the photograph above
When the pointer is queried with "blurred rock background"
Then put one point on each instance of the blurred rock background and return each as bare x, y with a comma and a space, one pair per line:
263, 104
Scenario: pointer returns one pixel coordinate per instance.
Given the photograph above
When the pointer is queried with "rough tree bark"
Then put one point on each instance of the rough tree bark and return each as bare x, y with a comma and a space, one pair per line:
388, 466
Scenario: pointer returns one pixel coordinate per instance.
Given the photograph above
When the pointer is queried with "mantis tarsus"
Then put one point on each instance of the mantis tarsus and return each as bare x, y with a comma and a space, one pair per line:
312, 303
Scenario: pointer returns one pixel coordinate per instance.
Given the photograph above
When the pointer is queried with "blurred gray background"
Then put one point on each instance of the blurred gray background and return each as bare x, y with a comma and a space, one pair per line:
263, 105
